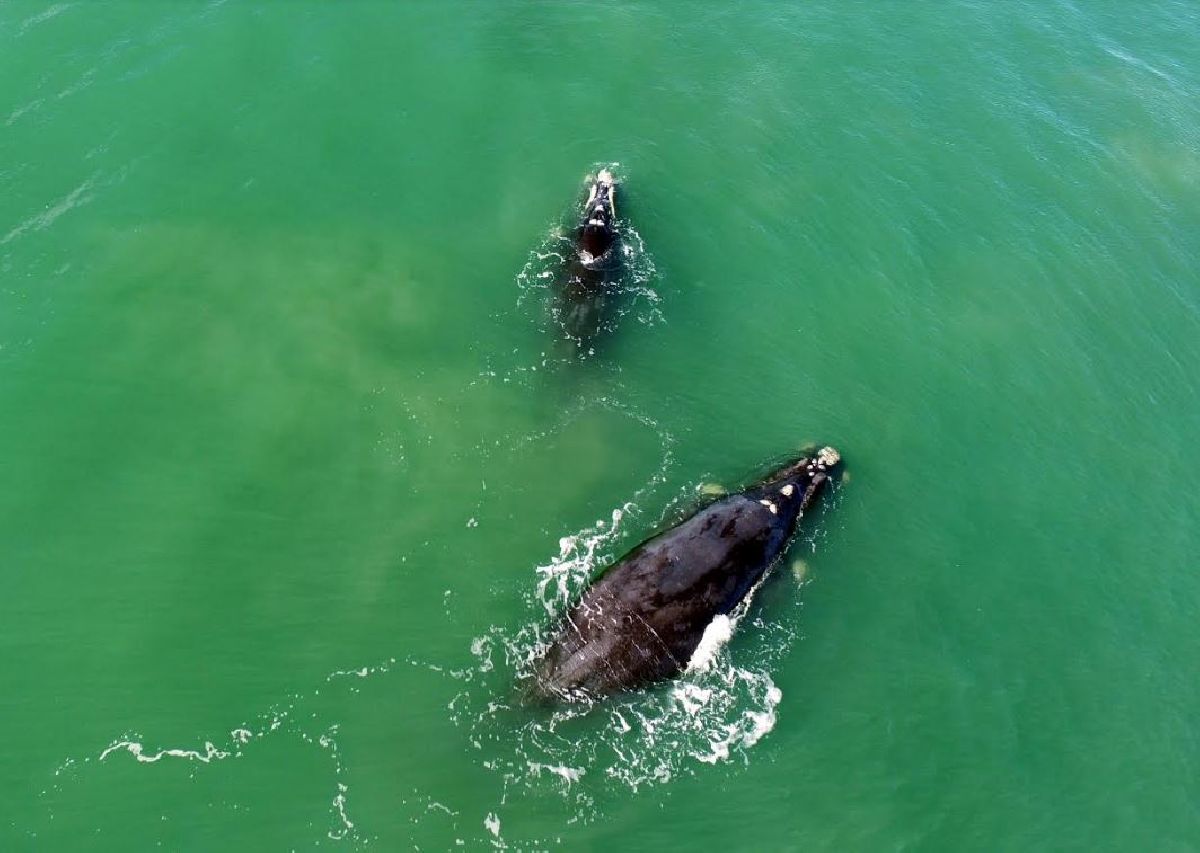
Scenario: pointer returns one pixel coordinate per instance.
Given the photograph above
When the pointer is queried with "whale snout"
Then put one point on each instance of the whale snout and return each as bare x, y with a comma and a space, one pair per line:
821, 461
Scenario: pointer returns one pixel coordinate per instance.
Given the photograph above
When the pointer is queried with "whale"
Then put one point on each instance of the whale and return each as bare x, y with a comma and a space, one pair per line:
643, 619
596, 234
590, 281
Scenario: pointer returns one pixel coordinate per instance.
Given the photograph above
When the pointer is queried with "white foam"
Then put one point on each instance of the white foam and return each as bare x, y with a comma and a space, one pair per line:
752, 727
44, 15
75, 198
481, 647
622, 725
762, 722
565, 575
569, 775
339, 805
692, 698
138, 751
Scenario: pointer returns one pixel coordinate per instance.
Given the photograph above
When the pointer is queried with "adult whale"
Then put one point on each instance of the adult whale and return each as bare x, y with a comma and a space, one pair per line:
644, 618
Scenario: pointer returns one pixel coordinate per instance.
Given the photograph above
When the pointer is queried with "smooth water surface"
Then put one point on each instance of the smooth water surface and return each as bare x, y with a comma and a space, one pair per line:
295, 468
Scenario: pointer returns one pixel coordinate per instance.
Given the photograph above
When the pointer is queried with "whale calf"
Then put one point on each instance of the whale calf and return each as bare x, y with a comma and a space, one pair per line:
592, 266
644, 617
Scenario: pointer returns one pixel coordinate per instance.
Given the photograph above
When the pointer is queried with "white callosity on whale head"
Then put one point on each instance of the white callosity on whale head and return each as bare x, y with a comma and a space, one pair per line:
716, 635
774, 509
787, 490
827, 457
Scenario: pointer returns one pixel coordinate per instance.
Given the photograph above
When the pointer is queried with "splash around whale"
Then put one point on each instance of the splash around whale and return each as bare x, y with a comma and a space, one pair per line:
643, 620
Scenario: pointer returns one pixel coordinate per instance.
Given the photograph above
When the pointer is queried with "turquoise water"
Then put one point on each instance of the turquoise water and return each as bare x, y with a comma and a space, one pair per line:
295, 466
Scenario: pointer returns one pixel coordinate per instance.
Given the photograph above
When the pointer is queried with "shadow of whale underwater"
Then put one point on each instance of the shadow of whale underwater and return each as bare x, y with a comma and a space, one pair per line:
645, 617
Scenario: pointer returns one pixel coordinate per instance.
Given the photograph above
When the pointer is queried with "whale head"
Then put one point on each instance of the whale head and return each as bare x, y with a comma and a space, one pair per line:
798, 482
813, 464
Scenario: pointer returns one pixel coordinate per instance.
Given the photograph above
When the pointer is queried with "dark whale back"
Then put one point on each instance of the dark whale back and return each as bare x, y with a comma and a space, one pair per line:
643, 619
596, 240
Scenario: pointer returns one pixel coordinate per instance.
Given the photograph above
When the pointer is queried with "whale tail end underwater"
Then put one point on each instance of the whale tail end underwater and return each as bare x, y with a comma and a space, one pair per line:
642, 620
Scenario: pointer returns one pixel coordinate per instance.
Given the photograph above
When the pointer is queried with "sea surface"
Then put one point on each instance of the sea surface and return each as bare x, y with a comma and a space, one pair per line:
296, 467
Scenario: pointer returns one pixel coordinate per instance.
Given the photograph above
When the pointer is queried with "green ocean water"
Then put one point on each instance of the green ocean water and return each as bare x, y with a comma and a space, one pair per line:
293, 465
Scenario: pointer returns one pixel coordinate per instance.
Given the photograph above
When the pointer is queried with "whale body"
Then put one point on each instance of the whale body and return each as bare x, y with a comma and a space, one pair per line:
642, 620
